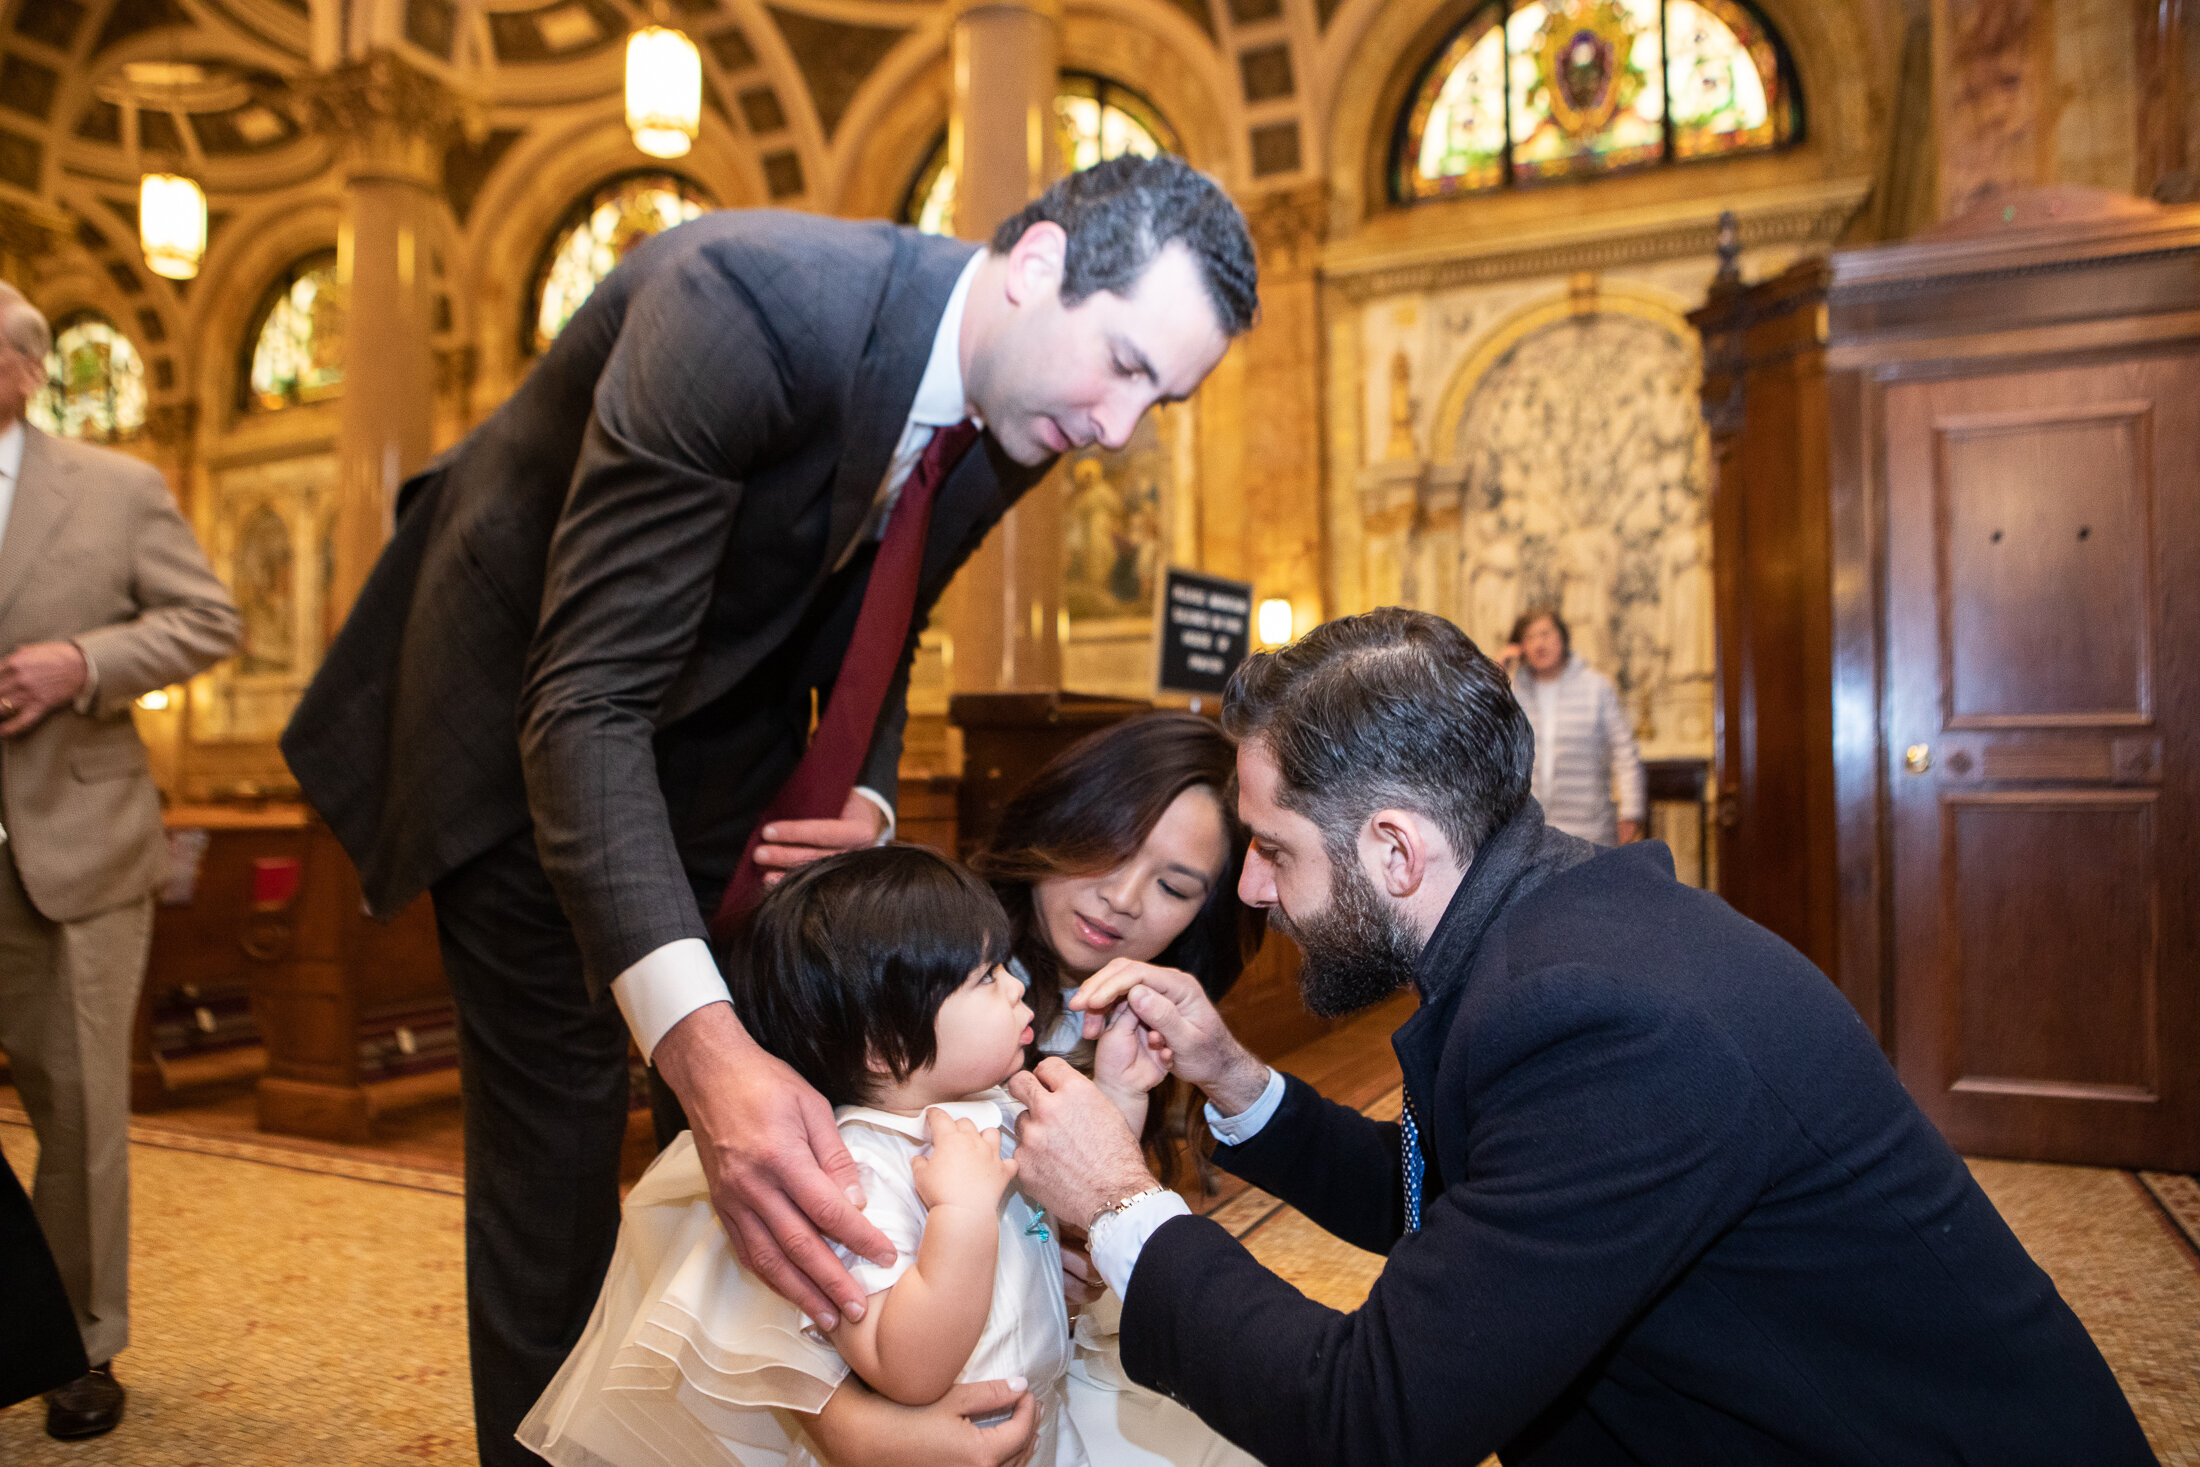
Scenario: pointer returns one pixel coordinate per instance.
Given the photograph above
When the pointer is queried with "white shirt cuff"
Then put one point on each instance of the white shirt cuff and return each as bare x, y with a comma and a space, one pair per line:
87, 697
665, 987
1245, 1125
887, 835
1119, 1237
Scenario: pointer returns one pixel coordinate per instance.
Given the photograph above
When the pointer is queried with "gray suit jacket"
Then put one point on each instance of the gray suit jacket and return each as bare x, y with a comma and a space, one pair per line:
96, 553
603, 611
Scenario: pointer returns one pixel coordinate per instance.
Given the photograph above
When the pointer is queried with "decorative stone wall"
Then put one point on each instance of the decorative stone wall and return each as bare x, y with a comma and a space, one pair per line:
1538, 442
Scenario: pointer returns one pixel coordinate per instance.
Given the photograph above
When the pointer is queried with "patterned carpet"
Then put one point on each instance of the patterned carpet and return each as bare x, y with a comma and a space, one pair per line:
309, 1309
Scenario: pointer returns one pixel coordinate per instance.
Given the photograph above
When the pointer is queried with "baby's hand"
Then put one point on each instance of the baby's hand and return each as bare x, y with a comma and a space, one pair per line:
1130, 1059
966, 1166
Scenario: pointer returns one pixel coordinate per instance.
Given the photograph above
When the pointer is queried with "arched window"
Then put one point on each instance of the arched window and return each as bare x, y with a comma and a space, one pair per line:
595, 235
1094, 119
297, 340
95, 382
1534, 89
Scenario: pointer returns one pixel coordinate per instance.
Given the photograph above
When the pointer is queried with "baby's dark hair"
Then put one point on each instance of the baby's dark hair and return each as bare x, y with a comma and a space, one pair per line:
851, 957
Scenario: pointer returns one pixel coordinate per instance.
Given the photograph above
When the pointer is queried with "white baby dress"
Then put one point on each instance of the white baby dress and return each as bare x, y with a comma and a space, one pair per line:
689, 1361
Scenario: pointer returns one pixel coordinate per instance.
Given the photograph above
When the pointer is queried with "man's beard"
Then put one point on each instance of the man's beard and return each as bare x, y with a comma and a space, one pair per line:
1357, 951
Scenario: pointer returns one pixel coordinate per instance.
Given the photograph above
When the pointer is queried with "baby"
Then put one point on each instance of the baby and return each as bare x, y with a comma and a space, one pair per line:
877, 976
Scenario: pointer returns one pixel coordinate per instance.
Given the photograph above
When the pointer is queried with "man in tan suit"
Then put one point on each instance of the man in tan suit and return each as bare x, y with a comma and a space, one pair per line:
104, 595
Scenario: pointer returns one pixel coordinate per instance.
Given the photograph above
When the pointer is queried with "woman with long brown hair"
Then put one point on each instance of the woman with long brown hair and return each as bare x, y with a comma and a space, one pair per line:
1126, 845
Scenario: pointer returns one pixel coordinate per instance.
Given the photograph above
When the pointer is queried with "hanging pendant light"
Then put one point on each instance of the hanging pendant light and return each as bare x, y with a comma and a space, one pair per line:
664, 91
171, 224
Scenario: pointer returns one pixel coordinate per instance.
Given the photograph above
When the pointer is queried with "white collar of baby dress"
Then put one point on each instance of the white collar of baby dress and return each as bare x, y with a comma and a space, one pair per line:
991, 1108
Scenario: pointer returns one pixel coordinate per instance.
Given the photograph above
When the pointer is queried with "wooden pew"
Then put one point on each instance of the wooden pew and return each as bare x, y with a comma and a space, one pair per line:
264, 962
356, 1013
195, 1022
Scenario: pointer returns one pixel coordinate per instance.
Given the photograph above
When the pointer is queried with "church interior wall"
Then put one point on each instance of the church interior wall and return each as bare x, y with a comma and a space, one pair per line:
1282, 471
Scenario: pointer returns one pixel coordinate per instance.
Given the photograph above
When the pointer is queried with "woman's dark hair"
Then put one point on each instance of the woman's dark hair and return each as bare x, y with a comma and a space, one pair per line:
849, 959
1088, 811
1535, 614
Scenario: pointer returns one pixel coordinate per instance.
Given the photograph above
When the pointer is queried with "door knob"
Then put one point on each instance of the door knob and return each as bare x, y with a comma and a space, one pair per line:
1918, 758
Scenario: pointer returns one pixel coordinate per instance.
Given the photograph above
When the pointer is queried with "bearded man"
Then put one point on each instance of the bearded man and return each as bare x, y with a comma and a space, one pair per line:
1655, 1195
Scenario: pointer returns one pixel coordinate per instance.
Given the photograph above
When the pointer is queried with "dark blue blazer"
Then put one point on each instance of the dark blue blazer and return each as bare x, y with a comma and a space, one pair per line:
1678, 1210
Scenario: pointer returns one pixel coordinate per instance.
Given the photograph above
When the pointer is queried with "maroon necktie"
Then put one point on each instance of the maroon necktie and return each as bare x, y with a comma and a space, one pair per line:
818, 789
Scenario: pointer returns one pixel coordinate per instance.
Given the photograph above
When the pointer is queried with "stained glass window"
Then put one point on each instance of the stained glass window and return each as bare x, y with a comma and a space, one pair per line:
1095, 119
95, 382
1534, 89
1726, 79
597, 235
298, 343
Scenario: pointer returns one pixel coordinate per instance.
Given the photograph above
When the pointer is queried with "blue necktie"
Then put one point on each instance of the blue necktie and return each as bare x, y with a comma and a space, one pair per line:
1409, 1143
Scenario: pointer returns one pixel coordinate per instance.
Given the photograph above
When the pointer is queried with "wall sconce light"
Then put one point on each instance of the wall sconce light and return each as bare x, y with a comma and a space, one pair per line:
1275, 621
154, 702
664, 91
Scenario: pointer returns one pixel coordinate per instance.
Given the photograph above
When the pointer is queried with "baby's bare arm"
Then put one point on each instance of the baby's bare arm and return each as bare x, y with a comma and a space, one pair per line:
915, 1337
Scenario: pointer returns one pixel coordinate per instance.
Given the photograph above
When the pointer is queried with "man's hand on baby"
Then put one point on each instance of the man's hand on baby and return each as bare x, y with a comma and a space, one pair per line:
1200, 1047
965, 1167
778, 1172
1074, 1153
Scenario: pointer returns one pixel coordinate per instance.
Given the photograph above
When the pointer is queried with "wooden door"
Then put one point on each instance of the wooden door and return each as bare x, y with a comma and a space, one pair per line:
2043, 736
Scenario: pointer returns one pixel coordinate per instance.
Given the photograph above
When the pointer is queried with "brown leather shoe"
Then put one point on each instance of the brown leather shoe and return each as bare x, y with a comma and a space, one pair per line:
90, 1405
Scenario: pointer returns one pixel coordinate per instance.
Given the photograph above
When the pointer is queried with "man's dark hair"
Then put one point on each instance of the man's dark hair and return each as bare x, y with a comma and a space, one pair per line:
1535, 614
1121, 213
849, 959
1395, 709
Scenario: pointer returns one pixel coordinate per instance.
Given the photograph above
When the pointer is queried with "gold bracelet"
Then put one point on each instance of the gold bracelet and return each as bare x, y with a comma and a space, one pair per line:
1124, 1206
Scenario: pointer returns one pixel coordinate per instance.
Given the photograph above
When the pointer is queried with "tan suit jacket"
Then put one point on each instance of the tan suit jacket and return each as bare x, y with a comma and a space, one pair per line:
96, 552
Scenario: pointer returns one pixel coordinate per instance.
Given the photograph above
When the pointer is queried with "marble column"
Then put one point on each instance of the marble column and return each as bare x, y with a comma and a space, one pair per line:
1280, 413
391, 124
1003, 613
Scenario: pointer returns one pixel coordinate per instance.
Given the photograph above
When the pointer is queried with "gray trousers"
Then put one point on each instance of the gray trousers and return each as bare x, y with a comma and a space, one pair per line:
68, 995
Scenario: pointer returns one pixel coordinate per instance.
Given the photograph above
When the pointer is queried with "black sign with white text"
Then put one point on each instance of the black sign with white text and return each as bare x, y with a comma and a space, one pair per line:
1205, 624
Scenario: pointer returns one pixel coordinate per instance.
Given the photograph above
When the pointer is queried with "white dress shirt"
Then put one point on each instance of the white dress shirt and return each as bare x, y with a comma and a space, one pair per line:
675, 980
1119, 1237
12, 439
11, 469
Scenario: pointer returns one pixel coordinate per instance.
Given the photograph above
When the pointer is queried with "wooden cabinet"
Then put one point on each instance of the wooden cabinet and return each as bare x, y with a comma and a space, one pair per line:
1772, 597
1988, 581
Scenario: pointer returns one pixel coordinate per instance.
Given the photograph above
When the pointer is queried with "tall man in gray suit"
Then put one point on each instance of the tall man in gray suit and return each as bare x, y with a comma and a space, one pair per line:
104, 595
586, 663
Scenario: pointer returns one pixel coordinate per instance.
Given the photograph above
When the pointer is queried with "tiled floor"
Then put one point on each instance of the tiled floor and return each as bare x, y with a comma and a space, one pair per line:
305, 1305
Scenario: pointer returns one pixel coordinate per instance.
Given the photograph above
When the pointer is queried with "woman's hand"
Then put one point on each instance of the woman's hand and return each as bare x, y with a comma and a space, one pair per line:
965, 1168
1130, 1059
1508, 657
1200, 1046
860, 1428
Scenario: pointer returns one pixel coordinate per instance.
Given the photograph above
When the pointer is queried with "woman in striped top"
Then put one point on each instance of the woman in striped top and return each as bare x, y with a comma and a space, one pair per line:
1584, 746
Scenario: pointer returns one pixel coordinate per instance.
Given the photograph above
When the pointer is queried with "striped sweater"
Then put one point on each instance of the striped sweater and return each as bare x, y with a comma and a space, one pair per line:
1584, 746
